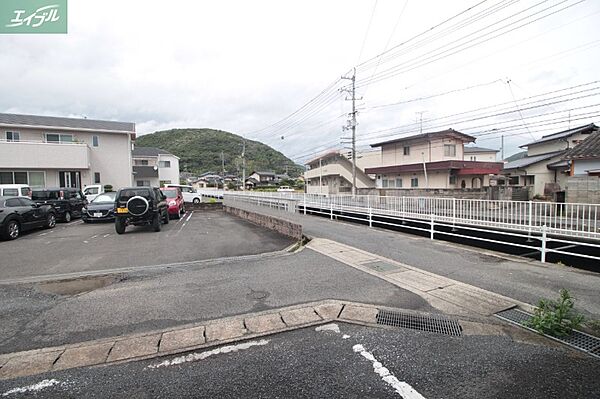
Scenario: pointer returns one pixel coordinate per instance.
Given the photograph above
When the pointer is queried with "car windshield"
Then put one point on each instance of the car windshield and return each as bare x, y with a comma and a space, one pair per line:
170, 193
125, 195
45, 195
106, 197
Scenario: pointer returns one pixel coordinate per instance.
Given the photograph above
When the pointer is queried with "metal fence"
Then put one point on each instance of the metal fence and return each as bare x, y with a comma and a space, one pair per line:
544, 221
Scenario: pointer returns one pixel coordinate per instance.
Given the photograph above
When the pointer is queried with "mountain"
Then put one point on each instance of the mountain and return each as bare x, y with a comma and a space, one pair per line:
518, 155
199, 151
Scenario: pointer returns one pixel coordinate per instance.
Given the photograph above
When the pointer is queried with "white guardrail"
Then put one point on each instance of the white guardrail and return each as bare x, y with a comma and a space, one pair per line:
529, 219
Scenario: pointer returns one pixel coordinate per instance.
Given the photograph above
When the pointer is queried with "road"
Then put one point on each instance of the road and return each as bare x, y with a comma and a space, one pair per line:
356, 362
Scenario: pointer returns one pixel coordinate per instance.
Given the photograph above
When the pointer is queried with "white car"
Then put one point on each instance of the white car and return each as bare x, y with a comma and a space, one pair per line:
189, 194
92, 191
15, 190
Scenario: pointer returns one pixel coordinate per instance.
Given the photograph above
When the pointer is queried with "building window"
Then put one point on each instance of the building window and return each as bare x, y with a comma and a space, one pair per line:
13, 136
59, 138
6, 178
529, 180
385, 183
34, 179
398, 182
97, 178
20, 177
143, 183
164, 182
406, 150
473, 158
95, 141
164, 164
449, 150
452, 179
513, 180
141, 162
37, 179
414, 182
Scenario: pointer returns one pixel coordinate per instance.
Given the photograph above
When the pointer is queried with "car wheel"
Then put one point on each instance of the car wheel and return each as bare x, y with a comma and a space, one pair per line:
67, 217
182, 210
120, 226
12, 230
156, 223
50, 221
196, 201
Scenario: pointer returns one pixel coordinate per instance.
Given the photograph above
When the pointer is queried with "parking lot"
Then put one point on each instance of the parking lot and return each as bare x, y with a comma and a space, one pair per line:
79, 247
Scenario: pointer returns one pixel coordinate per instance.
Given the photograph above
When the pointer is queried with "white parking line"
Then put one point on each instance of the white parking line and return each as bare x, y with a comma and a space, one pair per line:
105, 235
401, 387
33, 388
192, 357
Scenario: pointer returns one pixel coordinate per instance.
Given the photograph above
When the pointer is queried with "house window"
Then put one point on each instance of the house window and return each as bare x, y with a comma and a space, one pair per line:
20, 177
398, 182
13, 136
143, 183
164, 164
452, 179
163, 183
59, 138
513, 180
34, 179
449, 150
95, 141
414, 182
97, 178
385, 183
37, 179
406, 150
141, 162
473, 158
529, 180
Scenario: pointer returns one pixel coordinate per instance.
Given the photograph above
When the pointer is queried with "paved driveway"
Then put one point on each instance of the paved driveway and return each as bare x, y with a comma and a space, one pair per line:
79, 247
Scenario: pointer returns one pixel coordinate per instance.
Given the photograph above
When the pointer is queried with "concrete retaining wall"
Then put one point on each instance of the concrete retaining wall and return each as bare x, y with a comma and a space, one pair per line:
282, 226
584, 189
205, 206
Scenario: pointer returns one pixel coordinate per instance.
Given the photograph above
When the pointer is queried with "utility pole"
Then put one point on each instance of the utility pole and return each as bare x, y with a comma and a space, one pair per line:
352, 125
420, 121
244, 165
223, 168
502, 146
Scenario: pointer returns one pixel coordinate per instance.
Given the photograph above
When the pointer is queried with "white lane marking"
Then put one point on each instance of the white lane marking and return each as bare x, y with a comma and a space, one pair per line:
92, 237
105, 235
329, 327
192, 357
41, 235
33, 388
86, 242
401, 387
189, 217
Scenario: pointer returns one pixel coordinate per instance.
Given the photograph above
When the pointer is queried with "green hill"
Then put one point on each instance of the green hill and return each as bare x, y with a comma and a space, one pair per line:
199, 151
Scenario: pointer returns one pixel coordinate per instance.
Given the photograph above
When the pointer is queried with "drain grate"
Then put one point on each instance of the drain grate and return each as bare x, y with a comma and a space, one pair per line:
436, 324
578, 340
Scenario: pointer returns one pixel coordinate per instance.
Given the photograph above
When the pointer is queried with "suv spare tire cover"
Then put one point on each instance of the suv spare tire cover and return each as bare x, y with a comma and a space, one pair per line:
137, 205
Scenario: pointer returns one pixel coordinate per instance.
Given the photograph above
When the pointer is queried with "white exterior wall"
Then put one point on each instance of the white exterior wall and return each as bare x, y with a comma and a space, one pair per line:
555, 145
435, 179
393, 154
489, 156
112, 157
581, 166
171, 174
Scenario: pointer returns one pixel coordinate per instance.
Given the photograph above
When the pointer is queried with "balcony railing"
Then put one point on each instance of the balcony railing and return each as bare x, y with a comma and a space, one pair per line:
43, 155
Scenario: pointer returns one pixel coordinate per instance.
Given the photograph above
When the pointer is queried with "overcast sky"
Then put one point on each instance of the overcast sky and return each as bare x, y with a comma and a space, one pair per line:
242, 66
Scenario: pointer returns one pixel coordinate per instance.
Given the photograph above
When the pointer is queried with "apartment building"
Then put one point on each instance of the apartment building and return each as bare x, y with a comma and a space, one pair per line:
154, 167
544, 170
45, 151
331, 172
436, 160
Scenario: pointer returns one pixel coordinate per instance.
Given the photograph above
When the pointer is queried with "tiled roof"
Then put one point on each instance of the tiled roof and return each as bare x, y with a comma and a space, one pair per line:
520, 163
149, 152
471, 150
443, 133
565, 133
587, 149
60, 122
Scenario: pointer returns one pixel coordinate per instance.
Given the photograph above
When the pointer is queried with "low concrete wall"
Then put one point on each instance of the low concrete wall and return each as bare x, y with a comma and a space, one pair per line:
205, 206
282, 226
584, 189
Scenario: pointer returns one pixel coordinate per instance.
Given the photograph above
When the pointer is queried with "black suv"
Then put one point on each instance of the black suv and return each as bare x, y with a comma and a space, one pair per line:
20, 214
68, 202
140, 206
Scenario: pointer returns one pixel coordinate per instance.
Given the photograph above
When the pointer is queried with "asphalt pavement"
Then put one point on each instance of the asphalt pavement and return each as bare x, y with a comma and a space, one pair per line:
338, 361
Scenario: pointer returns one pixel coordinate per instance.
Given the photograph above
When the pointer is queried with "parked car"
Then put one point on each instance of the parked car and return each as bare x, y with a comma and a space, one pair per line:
189, 194
92, 191
15, 190
101, 208
68, 202
18, 214
140, 206
285, 189
175, 203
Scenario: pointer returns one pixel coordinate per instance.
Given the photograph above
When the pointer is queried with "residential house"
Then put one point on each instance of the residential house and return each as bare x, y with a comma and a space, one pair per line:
584, 158
435, 160
264, 178
472, 153
331, 172
45, 151
154, 167
544, 170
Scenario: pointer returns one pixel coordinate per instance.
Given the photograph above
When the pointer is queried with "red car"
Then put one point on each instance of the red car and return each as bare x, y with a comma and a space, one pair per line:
174, 201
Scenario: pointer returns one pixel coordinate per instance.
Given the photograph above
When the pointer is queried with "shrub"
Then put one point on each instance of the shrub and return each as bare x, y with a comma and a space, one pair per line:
108, 188
556, 318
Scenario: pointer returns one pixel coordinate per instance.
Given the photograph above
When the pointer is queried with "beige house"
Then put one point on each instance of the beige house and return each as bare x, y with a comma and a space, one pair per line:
331, 173
45, 151
544, 170
436, 160
154, 167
